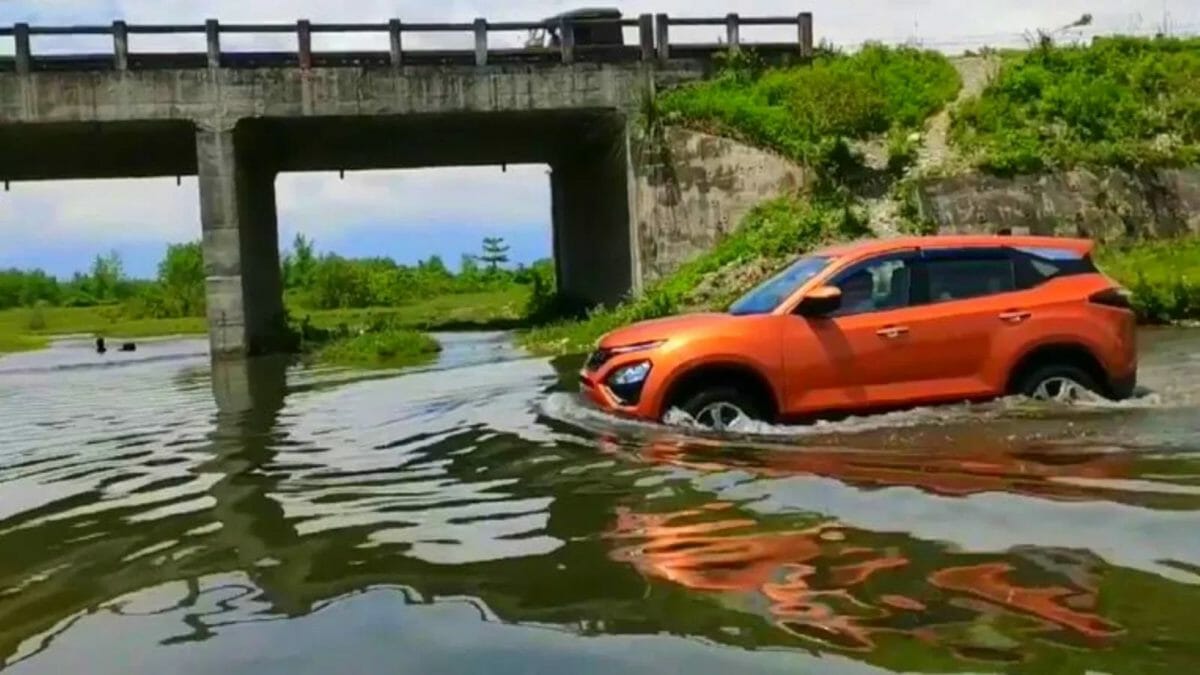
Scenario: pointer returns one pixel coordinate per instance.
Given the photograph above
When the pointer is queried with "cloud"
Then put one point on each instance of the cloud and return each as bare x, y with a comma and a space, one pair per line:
37, 216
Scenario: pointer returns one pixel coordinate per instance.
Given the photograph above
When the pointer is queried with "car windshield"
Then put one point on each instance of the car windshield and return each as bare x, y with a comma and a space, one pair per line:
767, 295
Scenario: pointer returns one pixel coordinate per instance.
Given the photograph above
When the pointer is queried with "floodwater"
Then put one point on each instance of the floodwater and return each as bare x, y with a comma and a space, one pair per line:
471, 517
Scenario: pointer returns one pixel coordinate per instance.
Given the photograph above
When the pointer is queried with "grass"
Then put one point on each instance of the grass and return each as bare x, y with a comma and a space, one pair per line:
466, 311
389, 348
44, 322
1164, 277
1128, 102
769, 236
31, 328
802, 111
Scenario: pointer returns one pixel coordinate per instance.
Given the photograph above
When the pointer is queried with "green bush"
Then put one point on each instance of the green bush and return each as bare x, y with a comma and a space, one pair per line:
1128, 102
798, 110
37, 317
380, 349
1163, 276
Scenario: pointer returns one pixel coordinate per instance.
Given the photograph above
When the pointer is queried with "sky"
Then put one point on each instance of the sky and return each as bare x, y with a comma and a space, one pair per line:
61, 225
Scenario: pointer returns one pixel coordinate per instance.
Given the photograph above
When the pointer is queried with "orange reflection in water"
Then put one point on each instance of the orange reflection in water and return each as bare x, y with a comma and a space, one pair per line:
1047, 473
844, 588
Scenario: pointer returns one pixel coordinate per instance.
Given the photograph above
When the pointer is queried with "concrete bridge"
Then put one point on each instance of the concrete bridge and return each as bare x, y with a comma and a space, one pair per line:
237, 119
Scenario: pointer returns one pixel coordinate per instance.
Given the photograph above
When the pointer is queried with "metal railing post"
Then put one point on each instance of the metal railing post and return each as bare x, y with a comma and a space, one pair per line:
481, 42
662, 36
304, 43
394, 33
733, 32
120, 34
22, 52
212, 36
566, 33
646, 36
805, 22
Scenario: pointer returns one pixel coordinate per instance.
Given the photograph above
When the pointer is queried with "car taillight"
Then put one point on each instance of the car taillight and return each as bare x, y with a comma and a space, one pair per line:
1113, 297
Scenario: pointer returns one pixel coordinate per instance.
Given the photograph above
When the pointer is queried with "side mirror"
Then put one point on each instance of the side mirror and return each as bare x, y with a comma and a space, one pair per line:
820, 301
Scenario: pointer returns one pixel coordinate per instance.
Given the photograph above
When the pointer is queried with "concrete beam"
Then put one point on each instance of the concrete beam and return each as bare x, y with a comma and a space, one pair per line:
207, 93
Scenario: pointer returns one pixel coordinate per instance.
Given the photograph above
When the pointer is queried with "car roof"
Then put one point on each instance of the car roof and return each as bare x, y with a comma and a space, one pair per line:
872, 246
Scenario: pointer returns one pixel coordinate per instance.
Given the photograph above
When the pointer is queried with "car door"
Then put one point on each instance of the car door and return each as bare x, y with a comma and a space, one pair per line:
859, 356
967, 297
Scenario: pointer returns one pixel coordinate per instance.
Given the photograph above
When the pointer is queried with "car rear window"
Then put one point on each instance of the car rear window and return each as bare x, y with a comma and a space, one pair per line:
959, 279
1035, 266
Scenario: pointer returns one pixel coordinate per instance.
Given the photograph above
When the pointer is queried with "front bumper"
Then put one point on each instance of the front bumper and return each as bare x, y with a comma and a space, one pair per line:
594, 389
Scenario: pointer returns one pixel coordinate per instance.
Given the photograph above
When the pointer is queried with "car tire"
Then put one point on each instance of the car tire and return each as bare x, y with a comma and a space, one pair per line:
1057, 382
706, 406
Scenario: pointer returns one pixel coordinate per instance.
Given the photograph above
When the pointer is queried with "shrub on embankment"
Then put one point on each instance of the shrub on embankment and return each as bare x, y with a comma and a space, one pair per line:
767, 238
803, 111
1163, 276
1128, 102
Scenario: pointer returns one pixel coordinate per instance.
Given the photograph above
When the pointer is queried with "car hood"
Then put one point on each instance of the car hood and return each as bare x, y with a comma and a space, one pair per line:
661, 329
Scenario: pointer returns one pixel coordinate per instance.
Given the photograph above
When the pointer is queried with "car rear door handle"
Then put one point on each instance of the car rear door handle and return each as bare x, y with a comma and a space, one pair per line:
1015, 315
892, 332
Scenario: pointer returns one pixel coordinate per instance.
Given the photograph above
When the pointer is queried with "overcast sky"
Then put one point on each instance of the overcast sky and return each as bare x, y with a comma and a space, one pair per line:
60, 225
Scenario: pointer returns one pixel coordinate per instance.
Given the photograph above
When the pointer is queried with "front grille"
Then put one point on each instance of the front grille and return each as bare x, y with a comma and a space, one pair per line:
597, 359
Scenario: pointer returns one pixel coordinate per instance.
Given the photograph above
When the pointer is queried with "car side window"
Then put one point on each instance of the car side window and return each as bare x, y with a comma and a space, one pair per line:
875, 285
964, 274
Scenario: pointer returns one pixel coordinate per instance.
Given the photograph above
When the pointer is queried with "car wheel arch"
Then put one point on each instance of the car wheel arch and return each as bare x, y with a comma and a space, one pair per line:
692, 377
1073, 352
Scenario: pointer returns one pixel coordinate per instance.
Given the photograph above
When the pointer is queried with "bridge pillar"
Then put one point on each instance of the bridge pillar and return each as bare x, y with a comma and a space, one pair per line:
241, 246
593, 244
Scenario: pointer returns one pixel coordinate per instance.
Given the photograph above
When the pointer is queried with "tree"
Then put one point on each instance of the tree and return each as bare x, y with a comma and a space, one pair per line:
181, 280
108, 272
300, 266
495, 252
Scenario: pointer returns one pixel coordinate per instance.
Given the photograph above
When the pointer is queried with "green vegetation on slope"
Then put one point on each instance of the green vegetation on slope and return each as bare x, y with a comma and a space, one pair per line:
803, 111
1127, 102
770, 235
1164, 277
806, 113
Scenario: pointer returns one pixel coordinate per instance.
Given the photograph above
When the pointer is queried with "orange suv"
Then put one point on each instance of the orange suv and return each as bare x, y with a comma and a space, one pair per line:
880, 325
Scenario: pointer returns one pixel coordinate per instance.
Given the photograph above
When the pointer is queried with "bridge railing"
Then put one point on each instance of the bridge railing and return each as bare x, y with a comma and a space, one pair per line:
653, 43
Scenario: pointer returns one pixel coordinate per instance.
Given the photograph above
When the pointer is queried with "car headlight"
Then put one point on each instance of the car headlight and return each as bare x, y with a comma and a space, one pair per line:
626, 376
639, 347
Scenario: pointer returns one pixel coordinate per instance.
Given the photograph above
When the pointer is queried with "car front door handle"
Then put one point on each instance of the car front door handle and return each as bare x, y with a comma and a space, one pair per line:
892, 332
1015, 316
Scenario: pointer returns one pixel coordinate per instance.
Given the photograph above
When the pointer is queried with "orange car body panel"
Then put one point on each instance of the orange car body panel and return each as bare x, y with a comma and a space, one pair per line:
921, 354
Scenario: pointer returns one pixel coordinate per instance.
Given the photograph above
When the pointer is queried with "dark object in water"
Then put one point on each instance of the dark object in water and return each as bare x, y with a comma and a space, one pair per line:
100, 348
129, 347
